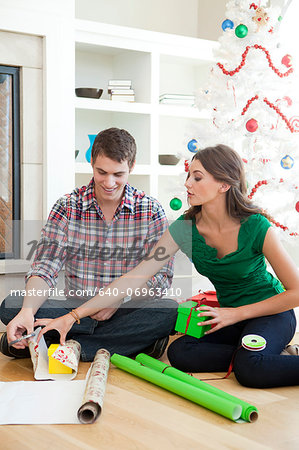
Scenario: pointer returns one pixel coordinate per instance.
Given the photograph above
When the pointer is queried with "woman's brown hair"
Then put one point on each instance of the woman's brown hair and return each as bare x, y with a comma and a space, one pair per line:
226, 166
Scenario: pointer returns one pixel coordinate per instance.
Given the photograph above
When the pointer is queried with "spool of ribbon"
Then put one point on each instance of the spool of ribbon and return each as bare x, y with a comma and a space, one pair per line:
254, 342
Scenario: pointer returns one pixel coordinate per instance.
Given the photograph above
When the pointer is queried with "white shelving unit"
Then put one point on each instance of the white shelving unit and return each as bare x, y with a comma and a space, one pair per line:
156, 63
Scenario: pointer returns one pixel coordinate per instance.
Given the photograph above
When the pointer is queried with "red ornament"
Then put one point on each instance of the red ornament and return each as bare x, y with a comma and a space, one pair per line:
252, 125
287, 60
297, 207
288, 100
186, 163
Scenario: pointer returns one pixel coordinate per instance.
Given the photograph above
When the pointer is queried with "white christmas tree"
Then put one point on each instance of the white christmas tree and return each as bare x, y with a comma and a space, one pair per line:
253, 108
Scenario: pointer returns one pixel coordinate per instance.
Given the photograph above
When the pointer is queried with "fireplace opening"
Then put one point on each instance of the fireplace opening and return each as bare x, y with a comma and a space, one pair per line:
9, 162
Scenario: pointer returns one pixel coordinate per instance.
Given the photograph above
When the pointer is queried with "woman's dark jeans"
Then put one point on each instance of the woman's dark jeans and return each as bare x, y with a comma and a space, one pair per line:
262, 369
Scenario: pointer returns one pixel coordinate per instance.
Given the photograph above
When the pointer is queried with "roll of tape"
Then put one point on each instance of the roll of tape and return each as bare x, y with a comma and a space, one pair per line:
254, 342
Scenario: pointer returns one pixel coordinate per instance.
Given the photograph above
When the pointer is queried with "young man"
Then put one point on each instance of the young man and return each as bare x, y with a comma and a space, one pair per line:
98, 233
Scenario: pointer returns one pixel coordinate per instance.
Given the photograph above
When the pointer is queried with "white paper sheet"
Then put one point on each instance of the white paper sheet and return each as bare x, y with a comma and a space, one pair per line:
56, 402
44, 402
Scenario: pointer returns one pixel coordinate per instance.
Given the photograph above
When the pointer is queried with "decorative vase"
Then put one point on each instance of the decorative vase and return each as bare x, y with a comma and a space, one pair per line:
91, 138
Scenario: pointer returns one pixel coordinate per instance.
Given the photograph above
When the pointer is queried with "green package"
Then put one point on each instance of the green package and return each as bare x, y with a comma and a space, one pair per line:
185, 314
249, 412
215, 403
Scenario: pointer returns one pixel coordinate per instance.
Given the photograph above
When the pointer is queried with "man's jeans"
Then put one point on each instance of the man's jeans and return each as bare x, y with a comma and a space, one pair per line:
134, 326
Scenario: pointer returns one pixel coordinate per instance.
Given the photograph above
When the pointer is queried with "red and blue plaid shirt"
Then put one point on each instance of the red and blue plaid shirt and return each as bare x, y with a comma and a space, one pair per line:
94, 252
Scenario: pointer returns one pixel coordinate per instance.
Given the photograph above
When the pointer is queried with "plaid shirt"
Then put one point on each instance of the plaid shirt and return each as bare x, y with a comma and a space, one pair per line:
96, 253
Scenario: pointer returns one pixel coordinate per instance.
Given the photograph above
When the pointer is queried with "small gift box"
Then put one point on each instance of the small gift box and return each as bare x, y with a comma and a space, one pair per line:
54, 365
187, 320
209, 298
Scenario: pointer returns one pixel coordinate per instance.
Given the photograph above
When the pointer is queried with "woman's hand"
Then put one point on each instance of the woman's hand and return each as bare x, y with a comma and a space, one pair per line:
106, 313
62, 324
20, 324
220, 317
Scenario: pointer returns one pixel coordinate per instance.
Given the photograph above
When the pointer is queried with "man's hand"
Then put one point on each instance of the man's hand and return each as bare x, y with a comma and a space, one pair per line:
106, 313
220, 317
62, 324
20, 324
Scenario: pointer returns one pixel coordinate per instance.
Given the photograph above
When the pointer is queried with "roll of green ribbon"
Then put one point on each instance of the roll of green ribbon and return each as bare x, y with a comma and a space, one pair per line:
219, 404
254, 342
249, 412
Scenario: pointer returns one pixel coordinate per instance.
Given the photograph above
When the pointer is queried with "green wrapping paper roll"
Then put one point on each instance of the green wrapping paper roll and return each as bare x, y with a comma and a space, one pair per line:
249, 412
218, 404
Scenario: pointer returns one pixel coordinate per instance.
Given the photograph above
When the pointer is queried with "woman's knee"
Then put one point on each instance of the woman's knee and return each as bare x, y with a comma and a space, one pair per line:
247, 370
173, 353
178, 354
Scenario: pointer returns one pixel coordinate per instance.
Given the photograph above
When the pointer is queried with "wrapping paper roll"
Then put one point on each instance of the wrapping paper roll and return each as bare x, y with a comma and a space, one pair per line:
68, 354
249, 412
95, 388
215, 403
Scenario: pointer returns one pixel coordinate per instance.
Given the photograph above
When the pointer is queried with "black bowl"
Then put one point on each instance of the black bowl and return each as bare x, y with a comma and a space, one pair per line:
168, 160
89, 92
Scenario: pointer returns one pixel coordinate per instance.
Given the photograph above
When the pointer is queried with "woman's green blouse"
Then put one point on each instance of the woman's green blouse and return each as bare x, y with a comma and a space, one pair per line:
241, 277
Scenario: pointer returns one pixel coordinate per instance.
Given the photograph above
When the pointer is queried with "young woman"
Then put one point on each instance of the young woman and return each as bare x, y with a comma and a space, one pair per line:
228, 239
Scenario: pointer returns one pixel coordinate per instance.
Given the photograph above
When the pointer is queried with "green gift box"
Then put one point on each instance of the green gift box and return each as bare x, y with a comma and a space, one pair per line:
187, 312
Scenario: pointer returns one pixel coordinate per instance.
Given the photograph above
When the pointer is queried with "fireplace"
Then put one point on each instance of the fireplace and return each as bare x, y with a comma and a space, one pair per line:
9, 162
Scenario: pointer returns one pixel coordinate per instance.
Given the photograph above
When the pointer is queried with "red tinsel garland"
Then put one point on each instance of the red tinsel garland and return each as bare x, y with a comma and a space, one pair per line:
277, 224
244, 56
271, 105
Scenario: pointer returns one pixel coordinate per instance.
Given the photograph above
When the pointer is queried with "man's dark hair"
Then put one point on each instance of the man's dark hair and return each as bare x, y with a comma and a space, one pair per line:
116, 144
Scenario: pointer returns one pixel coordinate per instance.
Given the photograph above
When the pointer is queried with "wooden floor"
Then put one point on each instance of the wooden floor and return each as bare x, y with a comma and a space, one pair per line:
139, 415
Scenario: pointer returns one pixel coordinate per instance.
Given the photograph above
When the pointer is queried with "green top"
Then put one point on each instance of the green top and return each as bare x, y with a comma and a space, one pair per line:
241, 277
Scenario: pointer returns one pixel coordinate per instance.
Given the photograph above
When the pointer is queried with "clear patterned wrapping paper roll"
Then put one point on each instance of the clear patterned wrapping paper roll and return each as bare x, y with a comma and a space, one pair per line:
95, 388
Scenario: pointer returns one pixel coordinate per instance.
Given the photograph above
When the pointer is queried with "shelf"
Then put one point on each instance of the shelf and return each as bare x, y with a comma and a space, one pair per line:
116, 36
139, 108
156, 63
93, 121
113, 106
171, 170
182, 111
139, 169
81, 167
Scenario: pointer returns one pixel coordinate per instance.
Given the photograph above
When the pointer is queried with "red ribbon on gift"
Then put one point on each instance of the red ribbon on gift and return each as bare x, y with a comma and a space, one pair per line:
199, 302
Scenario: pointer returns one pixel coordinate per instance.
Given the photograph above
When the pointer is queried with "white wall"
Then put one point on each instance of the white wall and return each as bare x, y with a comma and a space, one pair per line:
168, 16
211, 14
195, 18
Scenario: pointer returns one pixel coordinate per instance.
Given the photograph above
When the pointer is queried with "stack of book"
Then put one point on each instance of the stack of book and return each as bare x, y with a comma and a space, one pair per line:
177, 99
121, 90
